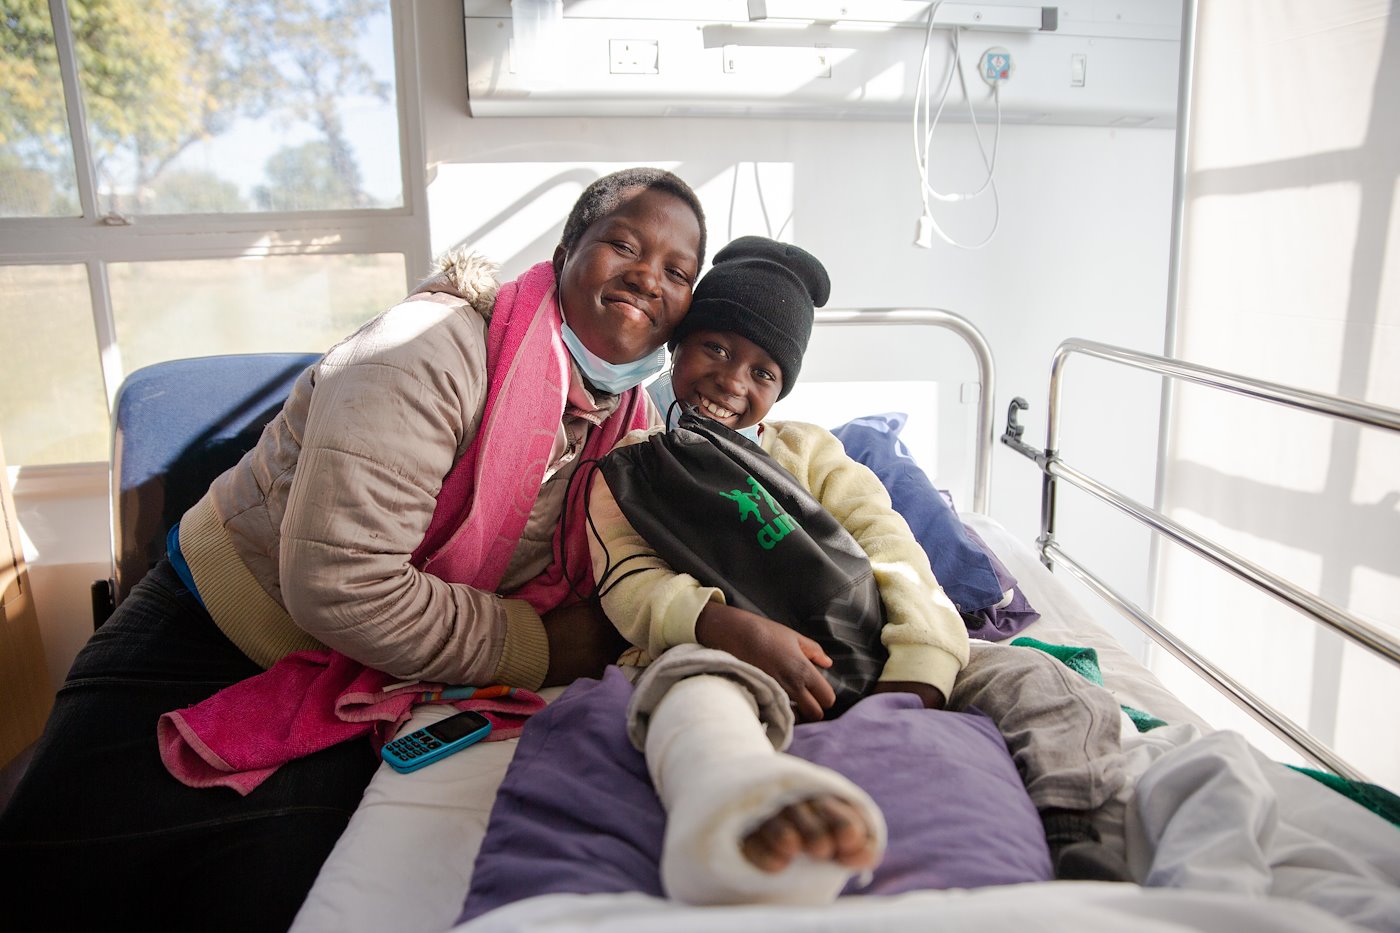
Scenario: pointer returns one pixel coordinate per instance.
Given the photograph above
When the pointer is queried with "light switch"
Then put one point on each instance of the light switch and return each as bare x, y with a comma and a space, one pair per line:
1078, 62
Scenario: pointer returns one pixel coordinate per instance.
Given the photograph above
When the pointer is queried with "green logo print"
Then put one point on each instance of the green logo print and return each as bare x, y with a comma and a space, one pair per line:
773, 531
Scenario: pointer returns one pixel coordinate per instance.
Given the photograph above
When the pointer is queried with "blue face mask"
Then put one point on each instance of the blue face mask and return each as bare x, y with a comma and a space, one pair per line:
613, 378
664, 395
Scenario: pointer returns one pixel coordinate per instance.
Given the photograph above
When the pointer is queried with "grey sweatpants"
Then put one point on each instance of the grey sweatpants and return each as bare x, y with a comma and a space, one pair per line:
1061, 729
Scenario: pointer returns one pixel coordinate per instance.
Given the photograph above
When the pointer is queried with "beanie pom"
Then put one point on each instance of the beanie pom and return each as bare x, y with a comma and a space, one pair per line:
805, 267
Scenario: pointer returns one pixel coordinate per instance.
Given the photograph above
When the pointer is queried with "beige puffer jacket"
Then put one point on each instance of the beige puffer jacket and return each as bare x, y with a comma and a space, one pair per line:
316, 523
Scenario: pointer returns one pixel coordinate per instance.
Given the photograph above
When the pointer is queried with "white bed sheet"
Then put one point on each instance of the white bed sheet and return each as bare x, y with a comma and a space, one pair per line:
1054, 907
405, 860
1065, 621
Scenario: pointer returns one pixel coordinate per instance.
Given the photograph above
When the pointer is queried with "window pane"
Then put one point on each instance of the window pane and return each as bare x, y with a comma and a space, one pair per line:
216, 106
171, 310
53, 408
36, 151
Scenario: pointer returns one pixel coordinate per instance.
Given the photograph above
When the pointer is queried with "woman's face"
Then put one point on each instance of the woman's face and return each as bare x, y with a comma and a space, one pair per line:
626, 282
728, 377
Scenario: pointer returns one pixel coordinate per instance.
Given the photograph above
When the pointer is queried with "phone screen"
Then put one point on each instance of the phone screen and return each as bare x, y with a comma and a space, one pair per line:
454, 727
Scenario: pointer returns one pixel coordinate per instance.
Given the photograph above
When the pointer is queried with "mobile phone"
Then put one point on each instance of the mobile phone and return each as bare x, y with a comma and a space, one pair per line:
438, 740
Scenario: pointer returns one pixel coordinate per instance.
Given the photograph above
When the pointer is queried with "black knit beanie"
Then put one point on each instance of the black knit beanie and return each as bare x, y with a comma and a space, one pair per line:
763, 290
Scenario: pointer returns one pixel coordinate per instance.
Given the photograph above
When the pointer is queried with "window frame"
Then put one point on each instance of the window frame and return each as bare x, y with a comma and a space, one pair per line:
95, 241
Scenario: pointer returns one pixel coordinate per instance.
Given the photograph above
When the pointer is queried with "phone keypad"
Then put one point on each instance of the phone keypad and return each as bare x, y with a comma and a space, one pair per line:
415, 744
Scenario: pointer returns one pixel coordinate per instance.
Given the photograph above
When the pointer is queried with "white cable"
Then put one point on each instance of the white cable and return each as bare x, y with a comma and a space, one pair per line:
928, 223
922, 157
763, 206
923, 138
758, 186
976, 131
921, 89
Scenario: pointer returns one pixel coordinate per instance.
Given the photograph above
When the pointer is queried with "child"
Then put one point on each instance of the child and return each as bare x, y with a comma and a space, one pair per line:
739, 351
384, 513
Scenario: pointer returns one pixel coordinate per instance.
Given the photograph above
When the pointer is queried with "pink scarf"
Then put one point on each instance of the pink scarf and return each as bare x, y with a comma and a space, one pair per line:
485, 501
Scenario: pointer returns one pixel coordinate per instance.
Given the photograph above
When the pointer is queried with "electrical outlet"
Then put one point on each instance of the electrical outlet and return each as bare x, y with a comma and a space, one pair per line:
633, 57
995, 66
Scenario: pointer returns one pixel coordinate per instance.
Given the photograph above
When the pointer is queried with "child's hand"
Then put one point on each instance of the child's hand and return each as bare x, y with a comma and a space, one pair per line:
790, 658
929, 695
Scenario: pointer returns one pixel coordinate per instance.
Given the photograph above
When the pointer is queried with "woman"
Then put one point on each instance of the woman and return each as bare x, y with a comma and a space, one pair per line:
404, 509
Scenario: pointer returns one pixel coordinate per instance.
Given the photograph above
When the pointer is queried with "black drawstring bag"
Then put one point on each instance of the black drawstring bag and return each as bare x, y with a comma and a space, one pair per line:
714, 505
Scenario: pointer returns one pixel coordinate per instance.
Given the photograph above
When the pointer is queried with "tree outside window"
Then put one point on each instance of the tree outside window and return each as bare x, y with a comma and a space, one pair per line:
202, 106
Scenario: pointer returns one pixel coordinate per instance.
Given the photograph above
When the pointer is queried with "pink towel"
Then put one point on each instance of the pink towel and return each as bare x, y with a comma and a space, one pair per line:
485, 501
308, 701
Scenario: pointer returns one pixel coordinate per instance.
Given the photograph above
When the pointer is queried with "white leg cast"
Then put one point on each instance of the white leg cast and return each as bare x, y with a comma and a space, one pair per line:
719, 778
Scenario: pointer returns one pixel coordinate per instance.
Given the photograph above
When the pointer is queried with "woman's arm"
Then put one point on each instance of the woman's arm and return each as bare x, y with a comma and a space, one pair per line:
392, 409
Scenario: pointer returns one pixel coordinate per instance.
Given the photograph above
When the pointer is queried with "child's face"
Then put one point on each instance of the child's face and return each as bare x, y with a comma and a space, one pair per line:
626, 282
730, 378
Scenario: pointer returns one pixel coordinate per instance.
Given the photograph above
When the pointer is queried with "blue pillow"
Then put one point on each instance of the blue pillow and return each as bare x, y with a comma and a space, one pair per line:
576, 812
961, 566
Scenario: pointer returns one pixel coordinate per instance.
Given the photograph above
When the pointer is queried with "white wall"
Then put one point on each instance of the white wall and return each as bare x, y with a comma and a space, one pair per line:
1291, 273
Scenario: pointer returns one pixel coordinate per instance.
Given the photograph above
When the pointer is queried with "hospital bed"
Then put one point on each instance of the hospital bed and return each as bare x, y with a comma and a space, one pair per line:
1223, 838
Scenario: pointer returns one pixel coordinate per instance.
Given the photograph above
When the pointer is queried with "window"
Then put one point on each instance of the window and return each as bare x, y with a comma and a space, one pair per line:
170, 310
36, 160
52, 407
190, 177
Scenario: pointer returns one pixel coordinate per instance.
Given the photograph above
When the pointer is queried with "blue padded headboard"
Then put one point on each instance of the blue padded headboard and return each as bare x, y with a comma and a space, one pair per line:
175, 427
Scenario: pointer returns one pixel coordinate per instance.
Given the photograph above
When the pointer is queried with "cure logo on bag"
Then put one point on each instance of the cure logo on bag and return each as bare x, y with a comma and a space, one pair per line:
773, 531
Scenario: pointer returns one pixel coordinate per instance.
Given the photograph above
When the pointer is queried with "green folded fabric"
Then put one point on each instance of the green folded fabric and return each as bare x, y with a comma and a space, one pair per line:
1371, 796
1085, 663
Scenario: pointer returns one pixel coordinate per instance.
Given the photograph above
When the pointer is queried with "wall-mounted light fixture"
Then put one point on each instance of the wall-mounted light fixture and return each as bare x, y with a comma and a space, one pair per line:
913, 13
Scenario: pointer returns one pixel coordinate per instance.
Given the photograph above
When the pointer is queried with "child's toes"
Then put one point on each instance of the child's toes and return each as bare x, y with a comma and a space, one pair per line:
774, 844
852, 842
809, 819
826, 828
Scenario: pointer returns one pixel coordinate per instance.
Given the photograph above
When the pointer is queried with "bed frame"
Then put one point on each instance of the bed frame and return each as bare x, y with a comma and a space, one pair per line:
226, 422
986, 375
1055, 469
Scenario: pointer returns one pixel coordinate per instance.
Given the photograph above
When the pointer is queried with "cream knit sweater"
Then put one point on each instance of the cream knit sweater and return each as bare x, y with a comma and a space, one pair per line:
656, 608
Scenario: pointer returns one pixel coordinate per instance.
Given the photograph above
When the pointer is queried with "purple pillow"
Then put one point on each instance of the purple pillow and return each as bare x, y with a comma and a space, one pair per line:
996, 623
577, 813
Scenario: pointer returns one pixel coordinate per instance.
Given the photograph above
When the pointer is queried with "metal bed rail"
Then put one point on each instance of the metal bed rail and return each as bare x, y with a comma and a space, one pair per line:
1054, 469
986, 375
